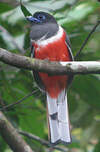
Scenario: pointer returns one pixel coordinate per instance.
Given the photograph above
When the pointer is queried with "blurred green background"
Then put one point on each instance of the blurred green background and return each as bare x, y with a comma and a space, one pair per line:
78, 18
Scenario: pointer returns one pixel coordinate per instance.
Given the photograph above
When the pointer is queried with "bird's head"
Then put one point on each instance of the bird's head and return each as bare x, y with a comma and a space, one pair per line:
42, 24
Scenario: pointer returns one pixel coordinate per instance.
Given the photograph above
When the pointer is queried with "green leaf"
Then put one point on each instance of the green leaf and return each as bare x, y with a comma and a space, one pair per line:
97, 147
4, 7
77, 13
25, 11
87, 87
97, 118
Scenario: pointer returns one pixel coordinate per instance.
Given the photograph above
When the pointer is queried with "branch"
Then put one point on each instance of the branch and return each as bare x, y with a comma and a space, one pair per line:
86, 40
6, 107
12, 138
89, 67
42, 141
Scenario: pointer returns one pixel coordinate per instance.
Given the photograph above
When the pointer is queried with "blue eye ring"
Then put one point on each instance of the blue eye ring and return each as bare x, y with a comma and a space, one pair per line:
41, 17
32, 19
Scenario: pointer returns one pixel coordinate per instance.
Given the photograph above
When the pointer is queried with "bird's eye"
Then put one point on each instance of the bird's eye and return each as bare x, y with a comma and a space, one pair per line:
41, 17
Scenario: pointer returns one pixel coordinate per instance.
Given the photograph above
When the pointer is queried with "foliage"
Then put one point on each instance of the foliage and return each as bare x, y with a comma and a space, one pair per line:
78, 18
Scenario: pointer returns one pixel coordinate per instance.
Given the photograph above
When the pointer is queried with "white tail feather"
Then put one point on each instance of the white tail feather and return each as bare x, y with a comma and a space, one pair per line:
58, 118
52, 117
63, 118
52, 105
54, 130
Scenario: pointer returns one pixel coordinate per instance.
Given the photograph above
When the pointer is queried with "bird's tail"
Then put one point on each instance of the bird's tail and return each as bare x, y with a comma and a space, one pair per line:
58, 119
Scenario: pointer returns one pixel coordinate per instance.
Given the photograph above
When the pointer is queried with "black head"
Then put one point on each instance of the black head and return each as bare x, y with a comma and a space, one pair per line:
42, 24
41, 18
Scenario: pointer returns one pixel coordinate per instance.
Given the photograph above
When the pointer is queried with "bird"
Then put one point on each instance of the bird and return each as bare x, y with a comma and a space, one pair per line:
50, 42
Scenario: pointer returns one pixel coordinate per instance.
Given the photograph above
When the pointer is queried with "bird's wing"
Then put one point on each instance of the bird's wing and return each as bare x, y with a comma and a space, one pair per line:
69, 47
36, 74
72, 58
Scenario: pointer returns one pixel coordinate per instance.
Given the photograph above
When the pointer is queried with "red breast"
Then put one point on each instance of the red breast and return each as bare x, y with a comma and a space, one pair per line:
55, 51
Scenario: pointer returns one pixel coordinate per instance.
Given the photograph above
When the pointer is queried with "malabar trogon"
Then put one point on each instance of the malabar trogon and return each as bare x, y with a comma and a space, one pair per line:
50, 42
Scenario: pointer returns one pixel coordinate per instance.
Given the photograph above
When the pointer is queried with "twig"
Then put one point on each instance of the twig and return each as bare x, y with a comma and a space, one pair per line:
11, 136
52, 68
86, 40
15, 103
42, 141
12, 39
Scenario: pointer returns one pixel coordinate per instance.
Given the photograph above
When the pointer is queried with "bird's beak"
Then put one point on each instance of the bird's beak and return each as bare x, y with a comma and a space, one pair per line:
32, 19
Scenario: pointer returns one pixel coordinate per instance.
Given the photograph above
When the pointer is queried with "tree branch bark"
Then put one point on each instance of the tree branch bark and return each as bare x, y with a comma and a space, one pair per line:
42, 141
12, 138
52, 68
